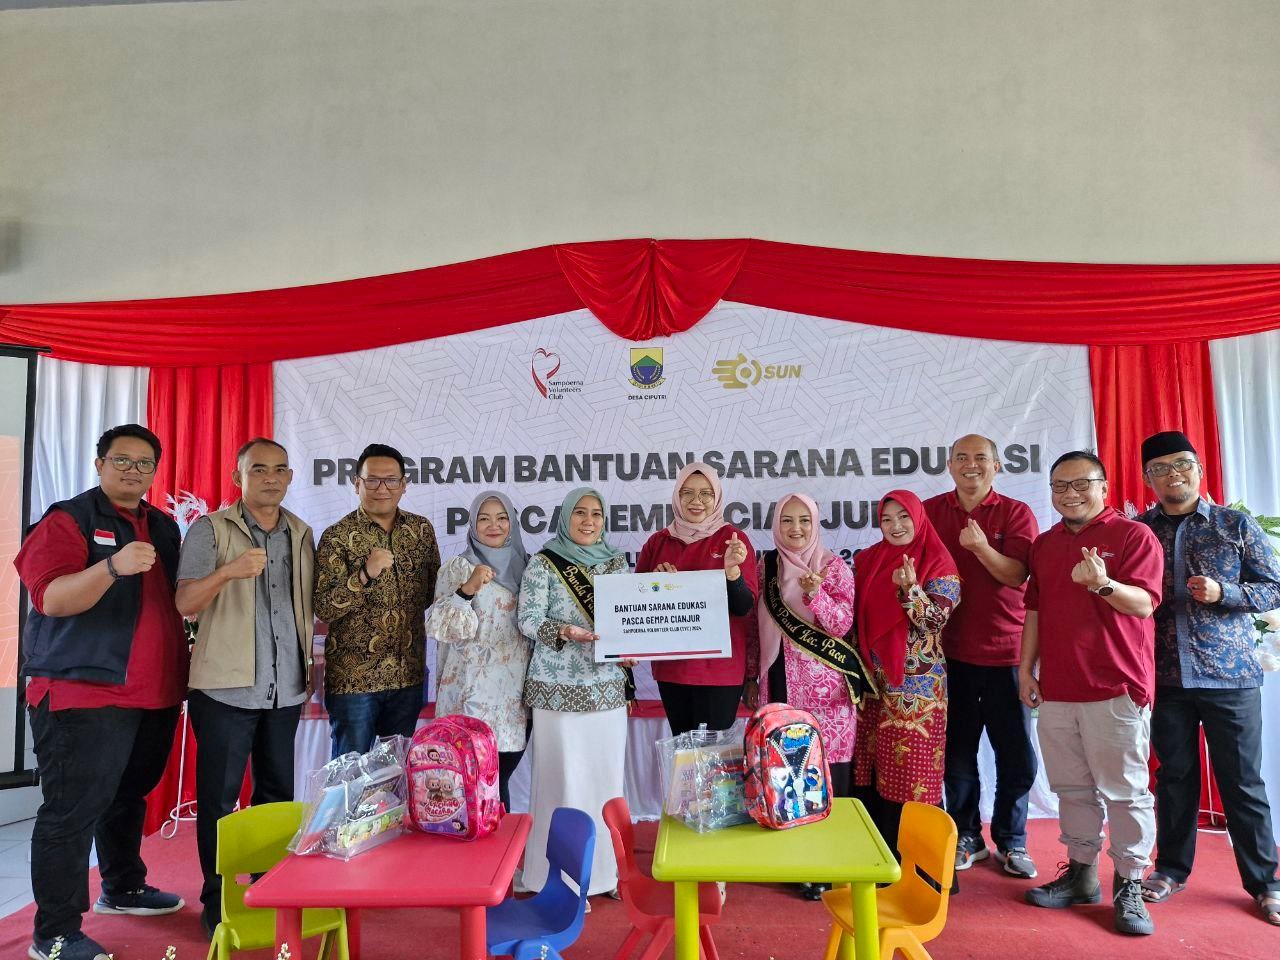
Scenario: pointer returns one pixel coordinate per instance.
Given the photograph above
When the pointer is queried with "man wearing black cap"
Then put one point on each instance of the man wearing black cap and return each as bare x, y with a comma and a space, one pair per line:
1220, 568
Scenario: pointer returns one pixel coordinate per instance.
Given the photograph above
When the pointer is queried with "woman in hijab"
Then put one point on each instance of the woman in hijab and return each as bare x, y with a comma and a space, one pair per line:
482, 656
579, 706
907, 587
695, 692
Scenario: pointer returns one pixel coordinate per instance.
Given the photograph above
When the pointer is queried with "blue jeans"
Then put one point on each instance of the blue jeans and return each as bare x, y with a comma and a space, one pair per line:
356, 718
979, 697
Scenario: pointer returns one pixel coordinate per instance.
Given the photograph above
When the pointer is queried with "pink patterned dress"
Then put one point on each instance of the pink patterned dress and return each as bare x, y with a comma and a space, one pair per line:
811, 684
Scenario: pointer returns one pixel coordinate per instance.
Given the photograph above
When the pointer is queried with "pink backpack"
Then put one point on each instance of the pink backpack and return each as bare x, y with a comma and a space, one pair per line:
453, 778
787, 780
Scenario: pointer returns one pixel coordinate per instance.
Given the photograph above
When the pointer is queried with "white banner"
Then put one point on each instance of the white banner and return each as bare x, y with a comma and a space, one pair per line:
778, 402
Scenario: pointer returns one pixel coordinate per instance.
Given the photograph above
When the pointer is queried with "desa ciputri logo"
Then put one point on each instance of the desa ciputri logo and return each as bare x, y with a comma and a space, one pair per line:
742, 372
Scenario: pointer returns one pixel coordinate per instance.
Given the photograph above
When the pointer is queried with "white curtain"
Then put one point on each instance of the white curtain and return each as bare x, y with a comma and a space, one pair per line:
1246, 383
75, 403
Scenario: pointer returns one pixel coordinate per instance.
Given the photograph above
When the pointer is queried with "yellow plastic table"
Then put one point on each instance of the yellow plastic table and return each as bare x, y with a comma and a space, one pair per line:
844, 848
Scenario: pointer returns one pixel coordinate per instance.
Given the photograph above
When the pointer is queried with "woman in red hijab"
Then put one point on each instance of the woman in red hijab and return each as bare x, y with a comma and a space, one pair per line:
703, 691
907, 585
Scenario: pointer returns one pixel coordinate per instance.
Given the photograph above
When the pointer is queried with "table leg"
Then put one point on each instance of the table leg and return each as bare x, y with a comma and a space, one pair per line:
474, 946
353, 933
686, 926
866, 927
289, 931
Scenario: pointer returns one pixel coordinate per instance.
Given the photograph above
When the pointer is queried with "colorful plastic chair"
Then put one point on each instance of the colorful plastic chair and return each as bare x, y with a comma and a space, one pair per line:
252, 841
912, 911
538, 927
650, 903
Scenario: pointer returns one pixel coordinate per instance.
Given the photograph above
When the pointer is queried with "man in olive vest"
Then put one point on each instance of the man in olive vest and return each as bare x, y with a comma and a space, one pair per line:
245, 574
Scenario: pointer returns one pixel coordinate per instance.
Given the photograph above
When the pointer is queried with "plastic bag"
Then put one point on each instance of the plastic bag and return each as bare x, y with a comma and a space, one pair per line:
355, 802
702, 778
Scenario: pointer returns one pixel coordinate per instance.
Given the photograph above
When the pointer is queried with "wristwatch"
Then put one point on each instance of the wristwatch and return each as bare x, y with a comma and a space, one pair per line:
1105, 590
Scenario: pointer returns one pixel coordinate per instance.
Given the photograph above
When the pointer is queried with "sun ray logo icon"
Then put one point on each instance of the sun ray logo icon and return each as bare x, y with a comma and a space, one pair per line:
737, 374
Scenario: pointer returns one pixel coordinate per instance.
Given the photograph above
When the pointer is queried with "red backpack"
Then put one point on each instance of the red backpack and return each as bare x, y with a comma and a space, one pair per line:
453, 778
787, 779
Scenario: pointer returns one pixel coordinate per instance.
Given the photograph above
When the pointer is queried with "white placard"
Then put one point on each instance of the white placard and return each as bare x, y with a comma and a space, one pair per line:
662, 616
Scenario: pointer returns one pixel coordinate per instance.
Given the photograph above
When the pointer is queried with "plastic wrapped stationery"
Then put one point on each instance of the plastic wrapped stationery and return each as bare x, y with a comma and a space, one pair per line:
355, 803
702, 778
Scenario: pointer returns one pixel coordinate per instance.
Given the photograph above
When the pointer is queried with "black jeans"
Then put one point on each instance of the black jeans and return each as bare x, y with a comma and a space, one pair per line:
1232, 721
357, 719
227, 740
981, 697
96, 768
688, 705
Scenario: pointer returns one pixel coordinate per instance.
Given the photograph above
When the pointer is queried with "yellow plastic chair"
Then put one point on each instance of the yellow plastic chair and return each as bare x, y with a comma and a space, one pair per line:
910, 912
252, 841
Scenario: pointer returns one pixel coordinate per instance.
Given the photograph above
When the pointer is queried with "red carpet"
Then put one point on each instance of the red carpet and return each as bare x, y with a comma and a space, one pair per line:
1212, 918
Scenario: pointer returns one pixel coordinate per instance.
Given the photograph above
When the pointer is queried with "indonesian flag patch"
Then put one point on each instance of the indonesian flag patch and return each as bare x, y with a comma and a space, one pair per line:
105, 537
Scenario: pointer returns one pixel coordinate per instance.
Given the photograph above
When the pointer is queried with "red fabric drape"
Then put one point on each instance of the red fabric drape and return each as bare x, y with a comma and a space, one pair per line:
1138, 391
202, 416
644, 288
651, 288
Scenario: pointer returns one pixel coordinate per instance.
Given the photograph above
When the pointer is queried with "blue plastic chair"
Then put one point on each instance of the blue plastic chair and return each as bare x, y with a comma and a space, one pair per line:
551, 920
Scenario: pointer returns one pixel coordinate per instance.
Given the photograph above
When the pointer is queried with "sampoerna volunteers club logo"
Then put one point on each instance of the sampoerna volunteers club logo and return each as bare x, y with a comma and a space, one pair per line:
646, 367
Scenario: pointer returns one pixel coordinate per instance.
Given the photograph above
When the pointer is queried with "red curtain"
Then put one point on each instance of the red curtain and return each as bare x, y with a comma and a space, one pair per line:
202, 415
646, 288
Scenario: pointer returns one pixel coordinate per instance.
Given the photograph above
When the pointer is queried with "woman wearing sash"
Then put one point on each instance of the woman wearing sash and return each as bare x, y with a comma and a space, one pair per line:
482, 657
907, 587
579, 706
703, 691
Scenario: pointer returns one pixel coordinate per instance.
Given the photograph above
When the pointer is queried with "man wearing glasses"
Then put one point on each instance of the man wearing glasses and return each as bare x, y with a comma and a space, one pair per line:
107, 658
1095, 577
375, 577
1220, 569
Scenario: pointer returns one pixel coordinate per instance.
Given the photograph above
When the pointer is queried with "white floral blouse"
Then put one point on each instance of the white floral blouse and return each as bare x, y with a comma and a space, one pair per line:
481, 655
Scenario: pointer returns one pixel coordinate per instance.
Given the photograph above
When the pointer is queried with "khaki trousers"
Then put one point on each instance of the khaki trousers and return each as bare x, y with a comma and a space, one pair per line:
1095, 756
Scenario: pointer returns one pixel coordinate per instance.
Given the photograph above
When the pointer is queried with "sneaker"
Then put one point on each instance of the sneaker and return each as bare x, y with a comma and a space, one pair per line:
1076, 883
75, 946
1131, 909
147, 902
1017, 862
969, 851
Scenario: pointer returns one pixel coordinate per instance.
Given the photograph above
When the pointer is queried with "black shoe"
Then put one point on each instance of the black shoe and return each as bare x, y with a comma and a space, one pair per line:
1131, 909
1075, 884
74, 946
814, 891
146, 902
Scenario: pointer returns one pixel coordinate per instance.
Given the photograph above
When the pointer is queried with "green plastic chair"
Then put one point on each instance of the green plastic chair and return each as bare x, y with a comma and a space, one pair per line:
252, 841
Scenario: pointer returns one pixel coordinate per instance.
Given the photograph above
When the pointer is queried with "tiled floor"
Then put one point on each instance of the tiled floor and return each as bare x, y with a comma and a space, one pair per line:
15, 866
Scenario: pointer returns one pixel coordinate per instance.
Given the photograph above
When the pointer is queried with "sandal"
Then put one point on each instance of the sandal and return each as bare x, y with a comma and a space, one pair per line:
1159, 887
1269, 904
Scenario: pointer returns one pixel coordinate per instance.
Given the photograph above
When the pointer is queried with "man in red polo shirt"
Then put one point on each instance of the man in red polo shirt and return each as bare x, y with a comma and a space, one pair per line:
1096, 577
989, 537
107, 658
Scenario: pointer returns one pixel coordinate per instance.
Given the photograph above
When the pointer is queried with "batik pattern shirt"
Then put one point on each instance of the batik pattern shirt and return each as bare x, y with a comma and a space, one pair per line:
376, 631
1212, 645
563, 674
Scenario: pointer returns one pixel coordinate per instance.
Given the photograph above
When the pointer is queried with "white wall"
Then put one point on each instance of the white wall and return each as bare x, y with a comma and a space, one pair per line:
166, 149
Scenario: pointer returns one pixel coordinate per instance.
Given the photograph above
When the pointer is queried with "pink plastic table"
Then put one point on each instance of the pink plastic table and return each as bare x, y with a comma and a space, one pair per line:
415, 870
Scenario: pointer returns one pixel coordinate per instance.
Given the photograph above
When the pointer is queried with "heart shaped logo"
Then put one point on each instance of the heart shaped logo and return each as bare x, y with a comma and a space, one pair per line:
543, 366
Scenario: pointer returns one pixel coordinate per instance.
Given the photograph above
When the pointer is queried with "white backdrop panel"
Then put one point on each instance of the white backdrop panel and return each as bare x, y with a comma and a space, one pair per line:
1246, 383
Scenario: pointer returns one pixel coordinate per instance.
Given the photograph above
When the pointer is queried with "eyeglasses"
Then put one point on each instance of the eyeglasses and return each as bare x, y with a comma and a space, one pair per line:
1079, 486
703, 496
391, 483
1164, 469
125, 464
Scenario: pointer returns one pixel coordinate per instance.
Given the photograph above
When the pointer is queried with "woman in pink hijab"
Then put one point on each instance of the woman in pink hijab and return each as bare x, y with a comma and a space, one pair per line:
698, 538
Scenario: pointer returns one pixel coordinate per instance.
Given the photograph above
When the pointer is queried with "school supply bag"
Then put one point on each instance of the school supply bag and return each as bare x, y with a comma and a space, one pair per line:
702, 777
787, 781
453, 778
355, 802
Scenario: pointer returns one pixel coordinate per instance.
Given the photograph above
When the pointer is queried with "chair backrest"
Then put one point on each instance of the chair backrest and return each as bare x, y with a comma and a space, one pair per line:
253, 840
571, 846
617, 817
927, 840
